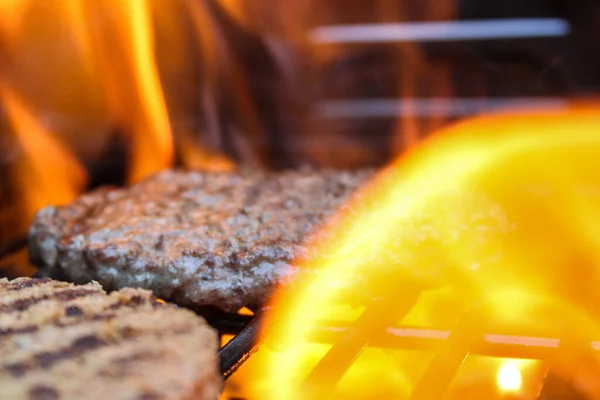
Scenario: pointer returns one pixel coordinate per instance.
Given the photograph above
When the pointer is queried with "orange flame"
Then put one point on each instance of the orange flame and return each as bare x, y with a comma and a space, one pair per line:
499, 213
127, 32
73, 74
44, 180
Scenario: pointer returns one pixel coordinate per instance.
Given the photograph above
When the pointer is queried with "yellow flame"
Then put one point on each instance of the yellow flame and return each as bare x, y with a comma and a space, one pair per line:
498, 204
155, 121
124, 45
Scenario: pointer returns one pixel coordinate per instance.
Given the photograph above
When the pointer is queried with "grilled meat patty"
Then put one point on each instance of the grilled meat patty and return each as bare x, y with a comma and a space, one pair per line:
62, 341
194, 238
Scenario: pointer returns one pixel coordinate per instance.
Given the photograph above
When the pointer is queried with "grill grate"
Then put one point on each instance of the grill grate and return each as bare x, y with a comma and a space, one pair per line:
452, 350
348, 340
239, 349
450, 346
450, 356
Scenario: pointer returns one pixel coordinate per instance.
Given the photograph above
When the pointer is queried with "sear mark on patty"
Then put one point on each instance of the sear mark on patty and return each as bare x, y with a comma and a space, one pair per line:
47, 359
43, 392
65, 295
26, 284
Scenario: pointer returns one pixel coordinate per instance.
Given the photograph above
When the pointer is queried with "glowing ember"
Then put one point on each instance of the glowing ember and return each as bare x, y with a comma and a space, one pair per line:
509, 377
490, 226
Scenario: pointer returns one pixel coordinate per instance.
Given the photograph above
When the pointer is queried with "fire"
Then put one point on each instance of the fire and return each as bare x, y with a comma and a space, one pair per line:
67, 177
127, 30
475, 230
489, 226
509, 377
46, 173
77, 76
102, 67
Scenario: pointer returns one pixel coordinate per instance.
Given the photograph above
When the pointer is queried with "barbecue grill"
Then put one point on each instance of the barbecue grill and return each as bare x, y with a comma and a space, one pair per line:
559, 27
349, 340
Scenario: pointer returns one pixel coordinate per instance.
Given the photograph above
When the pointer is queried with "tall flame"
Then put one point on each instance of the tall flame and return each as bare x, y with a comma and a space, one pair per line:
126, 31
74, 74
54, 181
500, 212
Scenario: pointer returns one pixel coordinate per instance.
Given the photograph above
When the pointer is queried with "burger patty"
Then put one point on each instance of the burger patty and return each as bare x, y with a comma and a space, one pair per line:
194, 238
62, 341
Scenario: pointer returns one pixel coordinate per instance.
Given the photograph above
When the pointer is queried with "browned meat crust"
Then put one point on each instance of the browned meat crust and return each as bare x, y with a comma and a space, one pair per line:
194, 238
62, 341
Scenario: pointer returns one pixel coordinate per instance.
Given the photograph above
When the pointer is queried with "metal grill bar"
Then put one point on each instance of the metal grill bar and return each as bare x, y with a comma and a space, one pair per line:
330, 369
441, 31
449, 358
239, 349
418, 338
